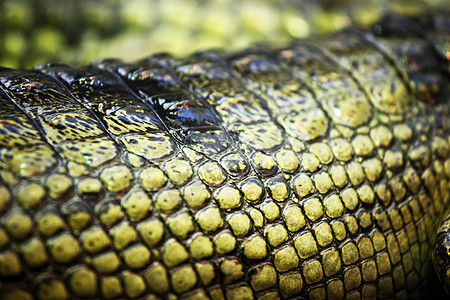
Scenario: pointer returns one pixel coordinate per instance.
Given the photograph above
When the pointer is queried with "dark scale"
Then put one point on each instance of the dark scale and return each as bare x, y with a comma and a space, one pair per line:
184, 114
243, 113
106, 96
216, 82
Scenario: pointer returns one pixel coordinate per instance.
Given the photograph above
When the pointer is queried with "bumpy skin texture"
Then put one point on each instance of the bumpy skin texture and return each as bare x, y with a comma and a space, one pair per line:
316, 170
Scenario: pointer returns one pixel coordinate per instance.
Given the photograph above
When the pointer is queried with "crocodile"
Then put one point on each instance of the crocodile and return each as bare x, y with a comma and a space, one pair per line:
319, 169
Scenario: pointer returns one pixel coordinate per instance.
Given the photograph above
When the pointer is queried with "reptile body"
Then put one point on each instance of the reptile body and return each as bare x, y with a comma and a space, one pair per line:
317, 170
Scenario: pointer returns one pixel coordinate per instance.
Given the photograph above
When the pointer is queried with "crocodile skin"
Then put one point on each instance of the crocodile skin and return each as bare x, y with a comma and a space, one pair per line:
317, 170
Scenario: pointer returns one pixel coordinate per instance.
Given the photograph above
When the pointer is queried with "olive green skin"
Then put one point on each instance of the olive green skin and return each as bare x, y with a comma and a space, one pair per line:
318, 170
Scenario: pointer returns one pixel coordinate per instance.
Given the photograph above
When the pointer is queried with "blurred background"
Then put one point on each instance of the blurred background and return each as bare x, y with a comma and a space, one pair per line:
80, 31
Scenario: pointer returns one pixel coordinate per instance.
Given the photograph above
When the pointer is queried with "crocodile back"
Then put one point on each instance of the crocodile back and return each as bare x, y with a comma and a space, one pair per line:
320, 169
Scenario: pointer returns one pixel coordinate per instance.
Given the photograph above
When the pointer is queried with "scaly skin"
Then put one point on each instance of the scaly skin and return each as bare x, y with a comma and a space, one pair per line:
316, 170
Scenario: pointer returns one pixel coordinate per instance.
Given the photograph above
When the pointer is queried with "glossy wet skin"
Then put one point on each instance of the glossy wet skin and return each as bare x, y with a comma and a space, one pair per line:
320, 170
